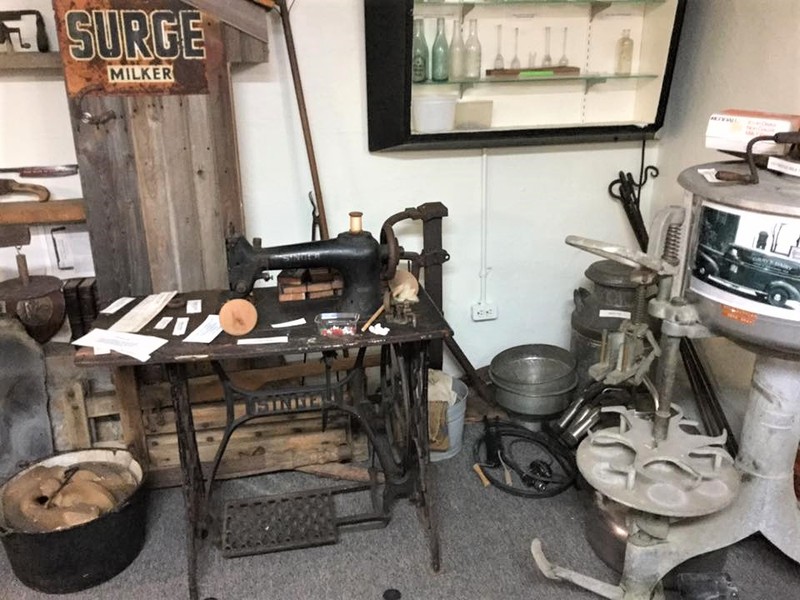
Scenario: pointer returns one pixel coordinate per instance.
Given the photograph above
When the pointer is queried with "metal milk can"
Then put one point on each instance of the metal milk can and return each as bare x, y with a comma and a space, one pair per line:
610, 301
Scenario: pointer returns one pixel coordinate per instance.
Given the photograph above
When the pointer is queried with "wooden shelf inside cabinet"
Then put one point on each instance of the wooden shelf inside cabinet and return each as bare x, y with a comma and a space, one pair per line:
30, 61
42, 213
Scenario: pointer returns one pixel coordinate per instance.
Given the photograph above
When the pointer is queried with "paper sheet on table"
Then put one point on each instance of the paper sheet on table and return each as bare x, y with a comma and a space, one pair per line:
116, 305
144, 312
137, 346
206, 332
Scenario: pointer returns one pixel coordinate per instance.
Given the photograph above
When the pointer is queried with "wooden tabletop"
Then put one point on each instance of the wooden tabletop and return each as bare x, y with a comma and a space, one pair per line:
302, 339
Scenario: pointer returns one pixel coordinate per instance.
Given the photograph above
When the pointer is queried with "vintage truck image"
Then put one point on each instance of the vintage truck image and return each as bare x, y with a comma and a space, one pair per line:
761, 271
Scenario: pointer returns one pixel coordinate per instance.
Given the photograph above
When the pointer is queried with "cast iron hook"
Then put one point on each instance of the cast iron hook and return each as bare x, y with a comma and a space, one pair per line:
84, 116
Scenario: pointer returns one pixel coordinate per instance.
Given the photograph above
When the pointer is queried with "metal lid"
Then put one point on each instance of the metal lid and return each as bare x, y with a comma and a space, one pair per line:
774, 194
610, 273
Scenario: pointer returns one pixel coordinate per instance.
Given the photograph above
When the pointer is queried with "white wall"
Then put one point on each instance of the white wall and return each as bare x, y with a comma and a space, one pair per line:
537, 196
733, 54
34, 120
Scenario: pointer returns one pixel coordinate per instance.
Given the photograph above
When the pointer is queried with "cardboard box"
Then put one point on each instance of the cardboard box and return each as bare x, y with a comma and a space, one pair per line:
732, 129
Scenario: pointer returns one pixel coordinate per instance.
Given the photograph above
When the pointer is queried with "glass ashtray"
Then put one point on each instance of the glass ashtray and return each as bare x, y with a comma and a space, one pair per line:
337, 324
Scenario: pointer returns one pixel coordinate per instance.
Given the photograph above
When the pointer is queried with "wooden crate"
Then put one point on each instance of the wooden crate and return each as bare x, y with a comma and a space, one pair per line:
263, 445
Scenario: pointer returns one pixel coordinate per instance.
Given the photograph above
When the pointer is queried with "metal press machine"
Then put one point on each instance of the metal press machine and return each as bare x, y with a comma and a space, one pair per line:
726, 263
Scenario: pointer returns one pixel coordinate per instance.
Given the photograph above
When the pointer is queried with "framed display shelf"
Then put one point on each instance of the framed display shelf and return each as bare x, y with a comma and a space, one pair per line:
580, 95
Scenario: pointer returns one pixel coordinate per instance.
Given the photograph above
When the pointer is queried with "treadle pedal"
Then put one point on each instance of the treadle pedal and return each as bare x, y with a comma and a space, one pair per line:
277, 523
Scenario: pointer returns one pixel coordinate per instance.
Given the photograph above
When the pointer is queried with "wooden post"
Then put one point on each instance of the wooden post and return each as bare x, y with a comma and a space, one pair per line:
130, 413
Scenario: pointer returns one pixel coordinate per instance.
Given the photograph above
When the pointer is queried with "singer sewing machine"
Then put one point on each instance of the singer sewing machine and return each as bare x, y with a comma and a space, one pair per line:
363, 263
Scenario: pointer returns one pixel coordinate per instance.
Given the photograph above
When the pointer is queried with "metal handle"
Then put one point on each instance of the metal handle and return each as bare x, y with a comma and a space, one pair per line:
84, 116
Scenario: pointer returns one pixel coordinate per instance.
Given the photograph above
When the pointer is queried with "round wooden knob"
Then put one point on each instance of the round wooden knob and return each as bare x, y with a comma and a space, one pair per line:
238, 317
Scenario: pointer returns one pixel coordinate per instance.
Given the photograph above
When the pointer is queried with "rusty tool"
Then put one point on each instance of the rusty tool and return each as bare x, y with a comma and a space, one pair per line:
9, 186
37, 172
42, 44
301, 105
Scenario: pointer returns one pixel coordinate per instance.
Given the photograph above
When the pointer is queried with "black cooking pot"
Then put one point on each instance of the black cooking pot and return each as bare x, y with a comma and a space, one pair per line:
70, 560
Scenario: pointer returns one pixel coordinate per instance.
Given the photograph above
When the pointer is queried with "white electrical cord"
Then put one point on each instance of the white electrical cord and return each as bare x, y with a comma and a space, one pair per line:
484, 271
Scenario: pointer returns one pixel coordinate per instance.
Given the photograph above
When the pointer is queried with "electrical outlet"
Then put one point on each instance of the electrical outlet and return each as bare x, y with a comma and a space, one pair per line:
484, 311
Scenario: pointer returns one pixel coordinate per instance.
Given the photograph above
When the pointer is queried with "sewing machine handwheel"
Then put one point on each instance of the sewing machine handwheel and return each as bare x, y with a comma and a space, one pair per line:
393, 252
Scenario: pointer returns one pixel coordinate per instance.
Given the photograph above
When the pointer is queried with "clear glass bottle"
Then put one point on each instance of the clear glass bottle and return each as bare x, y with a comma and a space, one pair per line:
440, 53
624, 56
457, 53
472, 62
419, 53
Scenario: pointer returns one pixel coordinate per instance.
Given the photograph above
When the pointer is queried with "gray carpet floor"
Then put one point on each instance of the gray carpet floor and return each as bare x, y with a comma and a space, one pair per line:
485, 552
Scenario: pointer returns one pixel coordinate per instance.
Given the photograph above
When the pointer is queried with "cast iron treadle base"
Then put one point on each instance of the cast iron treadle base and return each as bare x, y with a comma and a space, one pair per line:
276, 523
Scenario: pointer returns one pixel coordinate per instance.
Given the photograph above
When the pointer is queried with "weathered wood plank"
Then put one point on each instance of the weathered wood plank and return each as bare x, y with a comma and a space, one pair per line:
169, 475
222, 119
160, 135
75, 419
275, 451
133, 435
208, 388
42, 213
206, 185
245, 16
211, 418
242, 49
110, 188
102, 405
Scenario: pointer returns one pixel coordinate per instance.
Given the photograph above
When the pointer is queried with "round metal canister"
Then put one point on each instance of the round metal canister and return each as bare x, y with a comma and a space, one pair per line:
611, 300
534, 380
743, 261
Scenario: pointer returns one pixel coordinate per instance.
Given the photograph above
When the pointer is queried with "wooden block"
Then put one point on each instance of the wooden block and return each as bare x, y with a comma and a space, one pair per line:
293, 276
321, 286
291, 297
293, 288
318, 274
324, 294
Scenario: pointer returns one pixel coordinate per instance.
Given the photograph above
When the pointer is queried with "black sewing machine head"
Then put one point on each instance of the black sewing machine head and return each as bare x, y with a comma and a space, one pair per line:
362, 261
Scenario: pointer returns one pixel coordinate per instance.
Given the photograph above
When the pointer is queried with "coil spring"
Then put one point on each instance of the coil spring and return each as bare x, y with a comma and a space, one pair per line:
640, 307
672, 244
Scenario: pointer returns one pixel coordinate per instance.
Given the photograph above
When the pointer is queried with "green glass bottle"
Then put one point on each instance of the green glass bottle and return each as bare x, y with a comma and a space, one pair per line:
439, 54
419, 53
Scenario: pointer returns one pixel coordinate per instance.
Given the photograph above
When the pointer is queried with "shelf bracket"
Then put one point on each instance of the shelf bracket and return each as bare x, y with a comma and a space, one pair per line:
595, 8
592, 82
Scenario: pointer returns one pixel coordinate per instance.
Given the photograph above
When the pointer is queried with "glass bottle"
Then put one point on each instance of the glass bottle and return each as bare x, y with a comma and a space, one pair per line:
457, 53
472, 61
419, 53
439, 53
624, 57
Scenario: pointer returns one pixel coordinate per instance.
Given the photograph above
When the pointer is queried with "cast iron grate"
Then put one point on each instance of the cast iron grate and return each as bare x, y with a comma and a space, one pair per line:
277, 523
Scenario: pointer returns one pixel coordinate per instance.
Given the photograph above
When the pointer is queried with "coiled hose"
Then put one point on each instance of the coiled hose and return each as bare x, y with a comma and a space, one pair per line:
541, 479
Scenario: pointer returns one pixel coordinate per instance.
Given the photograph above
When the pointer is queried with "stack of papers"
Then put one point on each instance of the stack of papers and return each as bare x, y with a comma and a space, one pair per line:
135, 345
